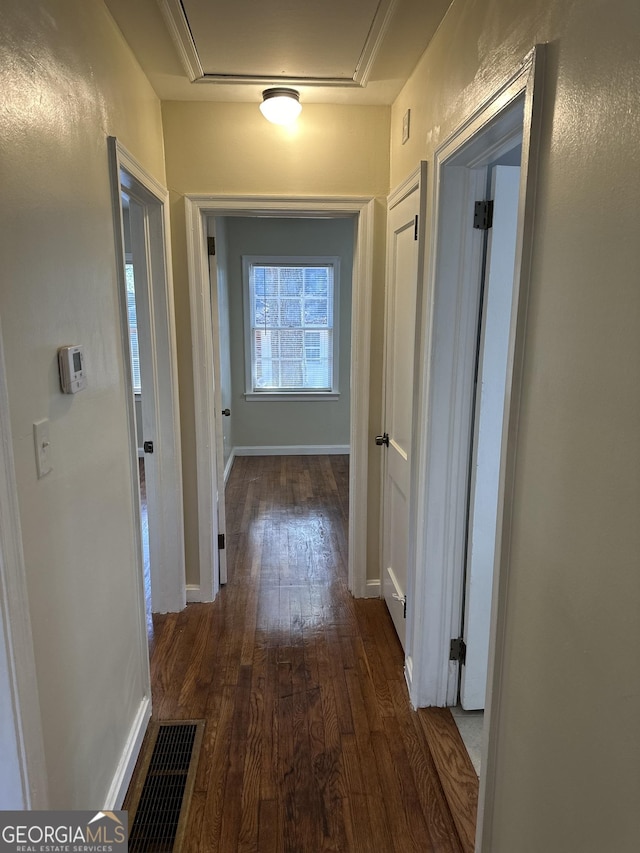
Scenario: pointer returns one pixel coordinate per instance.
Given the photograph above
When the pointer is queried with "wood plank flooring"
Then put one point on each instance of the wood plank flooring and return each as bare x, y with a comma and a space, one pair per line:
310, 741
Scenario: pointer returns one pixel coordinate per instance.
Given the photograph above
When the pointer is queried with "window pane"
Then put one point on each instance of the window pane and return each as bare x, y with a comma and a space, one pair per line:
292, 319
291, 313
133, 328
316, 312
291, 279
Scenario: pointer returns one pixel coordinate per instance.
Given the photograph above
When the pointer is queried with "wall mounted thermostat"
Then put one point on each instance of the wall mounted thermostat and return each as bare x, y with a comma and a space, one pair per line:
71, 366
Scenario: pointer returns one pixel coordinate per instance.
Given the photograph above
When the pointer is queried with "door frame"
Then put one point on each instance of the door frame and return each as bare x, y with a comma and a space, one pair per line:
197, 209
445, 398
166, 525
20, 717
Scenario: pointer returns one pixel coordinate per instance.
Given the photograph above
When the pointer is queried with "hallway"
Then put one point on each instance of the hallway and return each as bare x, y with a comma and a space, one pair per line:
310, 742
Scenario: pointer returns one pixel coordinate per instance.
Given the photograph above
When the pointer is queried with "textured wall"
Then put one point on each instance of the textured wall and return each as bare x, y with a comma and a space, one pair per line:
68, 81
567, 774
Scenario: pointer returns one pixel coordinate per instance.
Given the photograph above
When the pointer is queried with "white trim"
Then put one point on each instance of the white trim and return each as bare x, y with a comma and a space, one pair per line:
229, 465
408, 674
373, 589
294, 450
291, 396
166, 523
197, 208
180, 32
443, 452
377, 32
127, 762
534, 69
20, 706
194, 593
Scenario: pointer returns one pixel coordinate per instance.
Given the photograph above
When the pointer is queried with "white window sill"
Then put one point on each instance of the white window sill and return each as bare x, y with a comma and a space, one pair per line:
290, 396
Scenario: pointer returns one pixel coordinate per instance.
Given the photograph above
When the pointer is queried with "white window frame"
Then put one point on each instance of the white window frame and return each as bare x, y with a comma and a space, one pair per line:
289, 260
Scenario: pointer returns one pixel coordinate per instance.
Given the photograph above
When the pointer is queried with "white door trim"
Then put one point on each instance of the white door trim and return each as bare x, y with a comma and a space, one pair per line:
197, 208
445, 399
20, 720
168, 582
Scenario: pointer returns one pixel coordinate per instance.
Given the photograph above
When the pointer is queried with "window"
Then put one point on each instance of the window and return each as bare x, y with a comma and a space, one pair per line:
291, 307
133, 328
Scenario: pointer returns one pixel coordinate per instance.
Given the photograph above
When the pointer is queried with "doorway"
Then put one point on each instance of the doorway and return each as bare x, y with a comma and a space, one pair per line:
281, 293
209, 427
444, 424
148, 340
497, 218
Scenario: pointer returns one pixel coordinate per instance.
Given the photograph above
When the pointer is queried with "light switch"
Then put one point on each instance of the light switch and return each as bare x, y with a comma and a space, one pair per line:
42, 447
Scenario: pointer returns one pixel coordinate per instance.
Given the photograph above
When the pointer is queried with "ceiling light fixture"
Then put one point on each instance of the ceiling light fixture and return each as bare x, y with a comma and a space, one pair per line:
280, 106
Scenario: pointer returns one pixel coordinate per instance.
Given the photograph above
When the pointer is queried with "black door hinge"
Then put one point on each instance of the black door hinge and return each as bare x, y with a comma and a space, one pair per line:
458, 650
483, 215
148, 447
415, 228
211, 245
221, 542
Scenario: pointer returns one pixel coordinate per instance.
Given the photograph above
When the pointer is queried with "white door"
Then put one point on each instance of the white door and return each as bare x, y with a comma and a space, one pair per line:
487, 438
403, 247
220, 410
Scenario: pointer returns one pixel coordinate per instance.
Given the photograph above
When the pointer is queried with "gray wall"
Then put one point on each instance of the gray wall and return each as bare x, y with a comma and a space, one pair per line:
315, 422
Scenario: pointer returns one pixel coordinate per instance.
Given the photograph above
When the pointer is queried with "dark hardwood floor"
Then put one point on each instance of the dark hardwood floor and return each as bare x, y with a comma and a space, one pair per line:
310, 741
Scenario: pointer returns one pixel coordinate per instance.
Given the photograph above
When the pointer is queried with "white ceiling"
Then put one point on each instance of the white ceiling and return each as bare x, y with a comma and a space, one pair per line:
333, 51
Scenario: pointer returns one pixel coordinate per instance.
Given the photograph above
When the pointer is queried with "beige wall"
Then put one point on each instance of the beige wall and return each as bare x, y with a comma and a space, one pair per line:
229, 149
567, 774
68, 81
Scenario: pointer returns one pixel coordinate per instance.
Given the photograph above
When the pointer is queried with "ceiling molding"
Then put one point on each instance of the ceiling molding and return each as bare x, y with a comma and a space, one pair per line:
378, 30
178, 25
180, 33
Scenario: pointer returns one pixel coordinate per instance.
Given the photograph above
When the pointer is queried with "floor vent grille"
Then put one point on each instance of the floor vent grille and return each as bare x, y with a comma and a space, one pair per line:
159, 799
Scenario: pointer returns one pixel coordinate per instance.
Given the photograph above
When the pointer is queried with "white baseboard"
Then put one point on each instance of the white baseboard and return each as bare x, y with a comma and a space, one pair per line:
127, 763
372, 589
408, 672
229, 465
194, 593
294, 450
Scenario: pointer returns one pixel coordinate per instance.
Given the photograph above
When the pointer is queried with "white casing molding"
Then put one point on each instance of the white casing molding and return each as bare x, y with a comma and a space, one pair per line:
166, 519
510, 115
197, 209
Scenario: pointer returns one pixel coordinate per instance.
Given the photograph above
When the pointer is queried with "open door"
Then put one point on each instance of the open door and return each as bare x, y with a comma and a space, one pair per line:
221, 410
490, 394
403, 252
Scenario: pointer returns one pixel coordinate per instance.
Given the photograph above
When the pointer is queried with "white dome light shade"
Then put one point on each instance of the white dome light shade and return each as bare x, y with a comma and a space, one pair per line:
280, 106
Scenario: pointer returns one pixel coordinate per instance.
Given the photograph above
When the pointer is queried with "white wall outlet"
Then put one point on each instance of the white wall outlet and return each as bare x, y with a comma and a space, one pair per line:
406, 121
42, 447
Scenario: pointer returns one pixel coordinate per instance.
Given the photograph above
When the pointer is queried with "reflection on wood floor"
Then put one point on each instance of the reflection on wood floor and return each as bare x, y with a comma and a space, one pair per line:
310, 741
144, 524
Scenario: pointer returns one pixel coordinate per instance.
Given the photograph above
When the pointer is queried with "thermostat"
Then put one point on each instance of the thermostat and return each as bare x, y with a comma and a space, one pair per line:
71, 366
